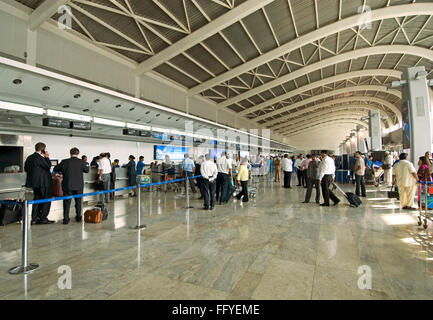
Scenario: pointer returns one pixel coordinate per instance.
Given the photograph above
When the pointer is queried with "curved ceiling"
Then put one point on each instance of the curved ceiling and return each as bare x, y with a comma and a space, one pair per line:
269, 60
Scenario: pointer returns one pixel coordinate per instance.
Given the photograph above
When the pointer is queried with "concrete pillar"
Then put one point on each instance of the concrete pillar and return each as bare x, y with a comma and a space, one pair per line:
375, 130
416, 111
360, 135
31, 47
137, 87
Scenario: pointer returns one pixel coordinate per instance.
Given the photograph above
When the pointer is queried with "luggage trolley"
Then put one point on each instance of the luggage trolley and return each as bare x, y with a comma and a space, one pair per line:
425, 202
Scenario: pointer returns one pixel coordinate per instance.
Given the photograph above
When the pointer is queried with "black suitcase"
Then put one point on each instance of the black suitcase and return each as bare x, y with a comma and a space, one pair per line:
10, 213
351, 197
104, 210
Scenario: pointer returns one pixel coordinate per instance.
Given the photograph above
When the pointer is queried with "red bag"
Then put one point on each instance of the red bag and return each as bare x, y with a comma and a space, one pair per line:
56, 189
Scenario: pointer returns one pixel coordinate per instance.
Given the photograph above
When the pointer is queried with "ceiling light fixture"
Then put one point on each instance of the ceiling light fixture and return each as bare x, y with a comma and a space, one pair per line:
17, 81
96, 100
20, 108
137, 126
67, 115
118, 106
46, 88
108, 122
76, 96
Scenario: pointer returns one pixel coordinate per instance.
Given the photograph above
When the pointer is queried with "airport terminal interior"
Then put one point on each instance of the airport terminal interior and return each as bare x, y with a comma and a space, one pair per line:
216, 149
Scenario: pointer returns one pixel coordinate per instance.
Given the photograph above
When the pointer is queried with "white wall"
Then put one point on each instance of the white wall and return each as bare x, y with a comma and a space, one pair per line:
59, 146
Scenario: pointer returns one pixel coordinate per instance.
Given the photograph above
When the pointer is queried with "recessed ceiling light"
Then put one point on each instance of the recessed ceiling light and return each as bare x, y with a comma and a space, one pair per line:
66, 106
147, 112
96, 100
118, 106
157, 115
86, 110
17, 81
46, 88
138, 120
76, 96
169, 118
178, 119
132, 109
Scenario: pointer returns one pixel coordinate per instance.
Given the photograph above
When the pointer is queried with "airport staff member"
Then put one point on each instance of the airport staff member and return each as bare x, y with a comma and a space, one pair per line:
406, 178
73, 182
188, 167
209, 172
104, 176
326, 176
39, 178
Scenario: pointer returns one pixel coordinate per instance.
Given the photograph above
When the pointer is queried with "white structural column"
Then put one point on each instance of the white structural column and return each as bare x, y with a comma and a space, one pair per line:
202, 34
344, 24
375, 130
417, 121
45, 11
360, 136
31, 47
137, 82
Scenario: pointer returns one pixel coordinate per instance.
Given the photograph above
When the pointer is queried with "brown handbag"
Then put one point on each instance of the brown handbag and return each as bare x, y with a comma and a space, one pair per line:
56, 188
93, 215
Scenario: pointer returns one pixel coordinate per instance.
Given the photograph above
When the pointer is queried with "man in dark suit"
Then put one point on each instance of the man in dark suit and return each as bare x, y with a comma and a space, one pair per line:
73, 182
39, 178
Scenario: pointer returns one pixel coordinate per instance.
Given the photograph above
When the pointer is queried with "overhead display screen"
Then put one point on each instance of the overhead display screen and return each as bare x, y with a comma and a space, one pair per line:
175, 153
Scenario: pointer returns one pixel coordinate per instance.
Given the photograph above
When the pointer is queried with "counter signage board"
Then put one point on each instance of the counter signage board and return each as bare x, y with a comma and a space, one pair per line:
56, 123
131, 132
81, 125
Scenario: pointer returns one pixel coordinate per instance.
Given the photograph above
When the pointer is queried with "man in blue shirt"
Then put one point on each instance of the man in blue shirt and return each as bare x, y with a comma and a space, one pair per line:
188, 168
140, 166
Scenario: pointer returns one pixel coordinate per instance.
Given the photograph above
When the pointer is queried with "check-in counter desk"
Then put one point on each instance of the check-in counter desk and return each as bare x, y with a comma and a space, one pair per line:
12, 185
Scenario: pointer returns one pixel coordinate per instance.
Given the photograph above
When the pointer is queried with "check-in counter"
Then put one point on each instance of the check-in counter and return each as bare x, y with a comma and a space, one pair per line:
12, 185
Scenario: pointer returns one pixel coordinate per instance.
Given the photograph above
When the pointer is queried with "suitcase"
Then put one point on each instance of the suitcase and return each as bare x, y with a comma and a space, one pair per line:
93, 215
56, 188
103, 209
393, 194
10, 213
351, 197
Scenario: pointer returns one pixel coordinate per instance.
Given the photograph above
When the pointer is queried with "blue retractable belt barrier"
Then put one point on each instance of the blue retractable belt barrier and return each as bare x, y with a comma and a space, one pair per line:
102, 192
425, 182
11, 202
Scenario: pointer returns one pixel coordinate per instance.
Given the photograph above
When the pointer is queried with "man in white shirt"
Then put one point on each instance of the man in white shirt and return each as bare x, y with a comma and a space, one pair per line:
326, 176
223, 178
406, 178
299, 172
209, 172
359, 175
287, 169
104, 176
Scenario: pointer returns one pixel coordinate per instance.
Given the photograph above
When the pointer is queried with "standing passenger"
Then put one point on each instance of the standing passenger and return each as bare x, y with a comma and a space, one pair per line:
73, 183
326, 176
39, 178
277, 169
242, 179
104, 171
287, 169
313, 179
209, 172
359, 175
132, 174
140, 165
405, 175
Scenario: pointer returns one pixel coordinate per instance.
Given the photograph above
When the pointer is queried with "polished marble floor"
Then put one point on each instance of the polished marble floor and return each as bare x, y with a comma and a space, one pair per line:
274, 247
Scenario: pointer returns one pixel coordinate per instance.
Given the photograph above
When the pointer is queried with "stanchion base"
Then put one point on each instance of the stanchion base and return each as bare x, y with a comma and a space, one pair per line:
190, 207
143, 226
21, 269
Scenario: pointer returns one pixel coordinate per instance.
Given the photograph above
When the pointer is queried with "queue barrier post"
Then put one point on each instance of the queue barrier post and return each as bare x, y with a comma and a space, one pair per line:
187, 191
25, 267
139, 226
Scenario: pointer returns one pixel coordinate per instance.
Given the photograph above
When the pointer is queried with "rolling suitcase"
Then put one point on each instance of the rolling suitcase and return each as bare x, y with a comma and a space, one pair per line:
351, 197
